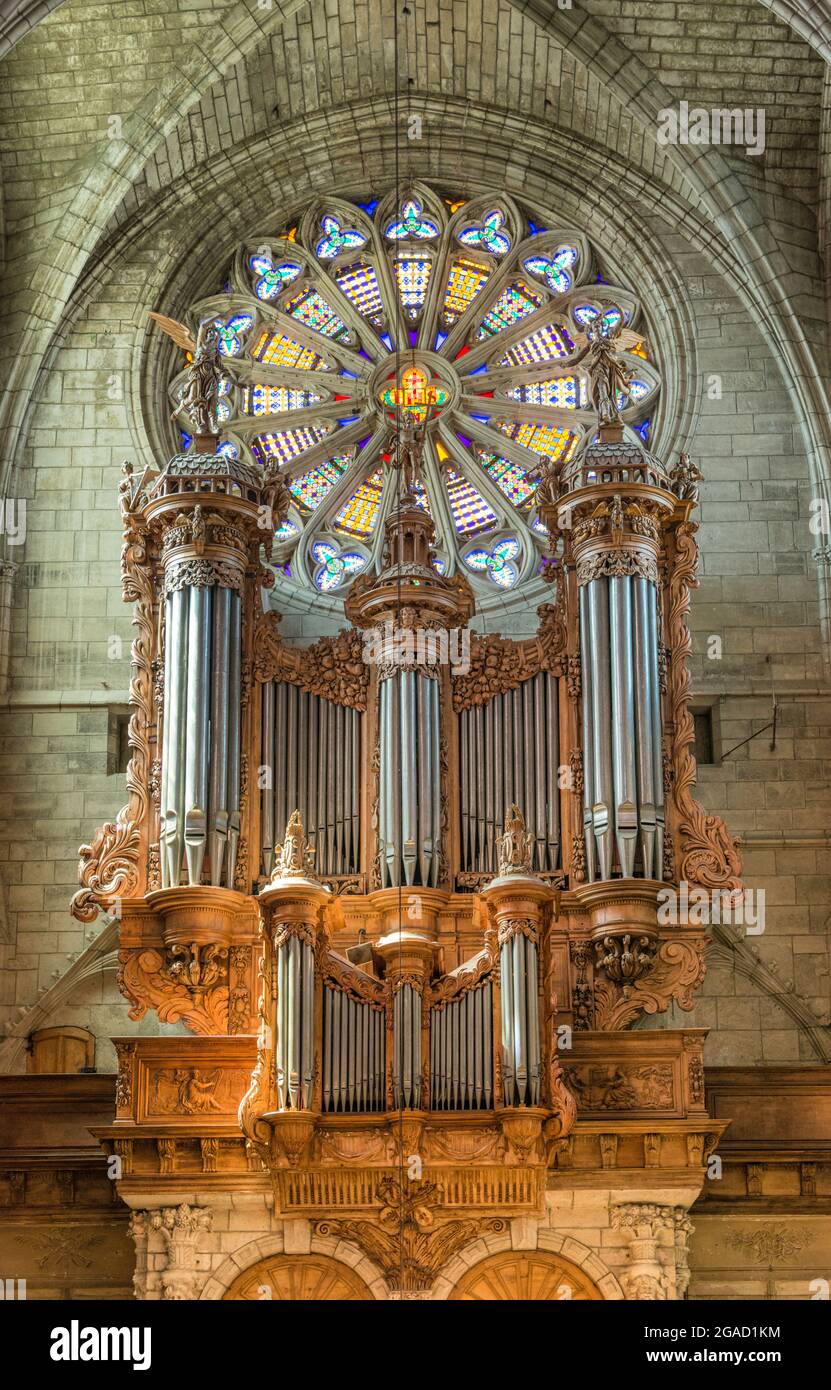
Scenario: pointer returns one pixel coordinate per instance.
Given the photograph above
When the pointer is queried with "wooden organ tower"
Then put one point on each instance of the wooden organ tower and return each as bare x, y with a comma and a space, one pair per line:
400, 892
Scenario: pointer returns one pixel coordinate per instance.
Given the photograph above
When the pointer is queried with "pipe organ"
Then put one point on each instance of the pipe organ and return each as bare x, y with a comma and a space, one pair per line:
201, 745
410, 880
409, 814
509, 752
311, 761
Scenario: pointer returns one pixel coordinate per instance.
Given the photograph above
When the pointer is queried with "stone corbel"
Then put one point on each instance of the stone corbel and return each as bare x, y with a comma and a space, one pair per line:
649, 1227
181, 1229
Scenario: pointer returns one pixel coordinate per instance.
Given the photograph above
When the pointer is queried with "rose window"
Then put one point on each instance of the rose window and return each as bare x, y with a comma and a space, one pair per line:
465, 318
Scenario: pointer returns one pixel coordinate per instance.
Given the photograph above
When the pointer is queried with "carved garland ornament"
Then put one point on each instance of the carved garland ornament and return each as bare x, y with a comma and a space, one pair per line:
333, 667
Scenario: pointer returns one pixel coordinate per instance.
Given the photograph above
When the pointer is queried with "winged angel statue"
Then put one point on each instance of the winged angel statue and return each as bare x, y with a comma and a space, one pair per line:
607, 374
201, 394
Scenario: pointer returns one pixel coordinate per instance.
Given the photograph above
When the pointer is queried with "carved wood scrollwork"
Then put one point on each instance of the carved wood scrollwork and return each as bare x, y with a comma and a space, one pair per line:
498, 664
707, 854
677, 972
111, 867
333, 667
145, 978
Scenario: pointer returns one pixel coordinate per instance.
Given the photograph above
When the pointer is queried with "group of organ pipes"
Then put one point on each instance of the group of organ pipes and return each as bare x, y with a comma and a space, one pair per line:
358, 810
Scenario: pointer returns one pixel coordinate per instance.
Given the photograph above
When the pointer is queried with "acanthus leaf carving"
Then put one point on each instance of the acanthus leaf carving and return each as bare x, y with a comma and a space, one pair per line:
333, 667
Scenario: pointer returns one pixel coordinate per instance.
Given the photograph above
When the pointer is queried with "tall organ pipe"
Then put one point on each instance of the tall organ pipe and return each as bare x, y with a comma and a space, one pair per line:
521, 1065
321, 778
409, 812
294, 1045
510, 753
622, 744
196, 752
234, 734
406, 1056
201, 734
220, 715
623, 722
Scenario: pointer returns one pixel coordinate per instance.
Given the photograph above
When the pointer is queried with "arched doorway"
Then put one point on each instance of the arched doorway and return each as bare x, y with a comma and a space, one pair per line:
298, 1279
527, 1276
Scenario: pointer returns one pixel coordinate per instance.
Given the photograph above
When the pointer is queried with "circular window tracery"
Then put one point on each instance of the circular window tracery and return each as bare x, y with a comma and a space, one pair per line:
466, 317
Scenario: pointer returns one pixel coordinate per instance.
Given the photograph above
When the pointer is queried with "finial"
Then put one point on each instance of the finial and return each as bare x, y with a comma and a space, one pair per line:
515, 846
296, 853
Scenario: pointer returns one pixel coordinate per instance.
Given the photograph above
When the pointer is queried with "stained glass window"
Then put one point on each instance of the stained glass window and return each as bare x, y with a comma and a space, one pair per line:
411, 226
289, 444
546, 344
359, 514
310, 488
276, 400
337, 238
360, 285
511, 479
550, 440
514, 303
271, 279
554, 270
470, 510
335, 566
464, 282
412, 276
232, 333
562, 392
310, 308
497, 564
280, 351
488, 234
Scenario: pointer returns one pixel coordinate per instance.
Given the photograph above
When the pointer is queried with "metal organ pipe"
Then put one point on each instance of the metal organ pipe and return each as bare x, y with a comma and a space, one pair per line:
622, 743
510, 752
353, 1053
234, 734
406, 1053
313, 746
623, 721
201, 737
294, 1044
521, 1064
220, 715
461, 1051
409, 811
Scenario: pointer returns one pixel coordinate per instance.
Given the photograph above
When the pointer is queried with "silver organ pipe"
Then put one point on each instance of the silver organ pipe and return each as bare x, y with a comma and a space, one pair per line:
353, 1053
510, 753
409, 811
313, 748
201, 736
220, 715
406, 1052
521, 1057
622, 743
294, 1045
234, 734
461, 1051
